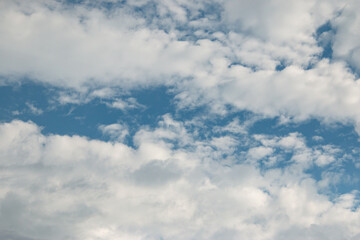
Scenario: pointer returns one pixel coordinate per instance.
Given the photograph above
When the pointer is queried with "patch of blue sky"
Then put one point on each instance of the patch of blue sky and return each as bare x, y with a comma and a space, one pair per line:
280, 66
344, 177
149, 11
14, 99
80, 119
84, 120
314, 130
146, 11
323, 36
252, 67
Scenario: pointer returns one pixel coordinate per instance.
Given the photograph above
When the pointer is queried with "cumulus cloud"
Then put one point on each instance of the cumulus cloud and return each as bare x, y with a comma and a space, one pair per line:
328, 91
77, 46
215, 53
58, 187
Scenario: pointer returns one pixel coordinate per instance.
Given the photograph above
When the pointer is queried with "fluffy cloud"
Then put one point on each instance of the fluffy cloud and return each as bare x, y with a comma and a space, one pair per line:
280, 21
68, 186
76, 46
328, 91
230, 59
346, 37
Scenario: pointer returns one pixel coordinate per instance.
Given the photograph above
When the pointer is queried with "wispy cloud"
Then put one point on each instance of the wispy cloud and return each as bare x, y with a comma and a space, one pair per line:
33, 109
125, 104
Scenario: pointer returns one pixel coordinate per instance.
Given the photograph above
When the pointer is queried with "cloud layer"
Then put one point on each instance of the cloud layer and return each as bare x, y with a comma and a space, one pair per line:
229, 56
69, 186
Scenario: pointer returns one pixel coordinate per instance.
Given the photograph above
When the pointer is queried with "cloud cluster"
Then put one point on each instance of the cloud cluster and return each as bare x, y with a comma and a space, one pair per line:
231, 55
173, 185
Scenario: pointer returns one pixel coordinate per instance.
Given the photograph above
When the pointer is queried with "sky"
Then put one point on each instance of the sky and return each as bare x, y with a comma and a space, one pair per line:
179, 120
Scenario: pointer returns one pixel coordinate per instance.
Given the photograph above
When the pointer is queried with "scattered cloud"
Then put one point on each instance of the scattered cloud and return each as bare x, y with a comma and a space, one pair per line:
16, 112
179, 177
34, 110
125, 104
115, 131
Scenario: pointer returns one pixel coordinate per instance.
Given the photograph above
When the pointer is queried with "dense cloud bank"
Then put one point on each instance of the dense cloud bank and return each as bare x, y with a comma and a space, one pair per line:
63, 187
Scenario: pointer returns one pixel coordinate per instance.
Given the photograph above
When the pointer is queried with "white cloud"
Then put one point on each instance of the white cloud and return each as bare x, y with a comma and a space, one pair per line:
70, 186
326, 155
257, 153
116, 131
266, 18
103, 93
328, 91
88, 48
20, 143
317, 138
346, 40
16, 112
33, 109
78, 47
126, 104
303, 156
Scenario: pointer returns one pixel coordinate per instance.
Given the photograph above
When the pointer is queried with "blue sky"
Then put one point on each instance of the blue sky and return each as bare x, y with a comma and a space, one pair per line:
179, 119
